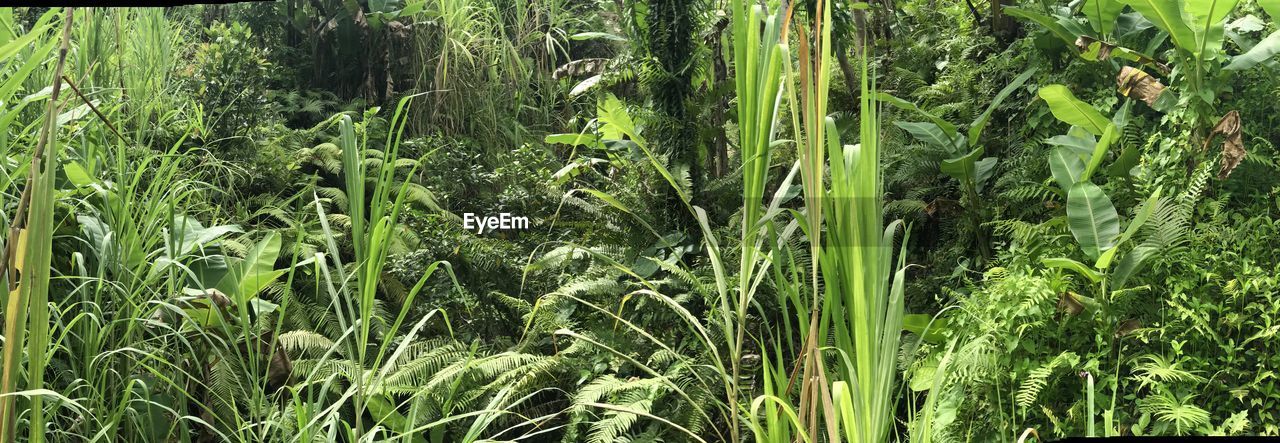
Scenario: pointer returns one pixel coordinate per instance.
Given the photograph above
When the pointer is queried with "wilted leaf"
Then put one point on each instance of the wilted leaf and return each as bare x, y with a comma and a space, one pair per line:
1138, 84
1232, 144
1070, 304
1127, 327
1094, 50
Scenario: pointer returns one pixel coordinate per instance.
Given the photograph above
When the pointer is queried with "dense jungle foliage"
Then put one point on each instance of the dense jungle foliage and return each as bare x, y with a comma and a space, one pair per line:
769, 221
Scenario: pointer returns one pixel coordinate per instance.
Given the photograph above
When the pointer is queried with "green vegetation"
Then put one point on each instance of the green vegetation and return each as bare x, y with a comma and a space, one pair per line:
819, 221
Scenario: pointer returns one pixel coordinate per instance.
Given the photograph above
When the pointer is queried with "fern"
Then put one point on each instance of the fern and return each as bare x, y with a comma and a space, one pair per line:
1174, 410
1038, 378
1156, 369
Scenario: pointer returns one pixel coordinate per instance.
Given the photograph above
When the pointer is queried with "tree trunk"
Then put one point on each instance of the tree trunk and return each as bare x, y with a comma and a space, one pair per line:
1002, 26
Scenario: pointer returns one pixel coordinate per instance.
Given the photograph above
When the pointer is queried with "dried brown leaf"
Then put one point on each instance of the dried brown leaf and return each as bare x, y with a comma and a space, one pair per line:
1136, 83
1232, 143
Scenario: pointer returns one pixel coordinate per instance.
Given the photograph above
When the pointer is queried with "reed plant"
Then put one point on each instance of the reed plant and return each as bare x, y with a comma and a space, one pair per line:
28, 252
853, 314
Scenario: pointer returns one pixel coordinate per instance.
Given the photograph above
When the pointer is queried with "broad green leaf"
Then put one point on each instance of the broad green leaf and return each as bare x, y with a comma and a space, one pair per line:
1092, 218
1128, 159
76, 174
262, 257
1066, 167
1131, 263
917, 323
411, 9
1099, 152
248, 276
580, 139
922, 378
1206, 13
1121, 117
1102, 14
1166, 15
1068, 108
1053, 25
1081, 145
929, 133
975, 130
1261, 52
613, 114
1138, 220
1272, 7
1206, 18
962, 168
1079, 268
946, 126
983, 169
573, 169
188, 233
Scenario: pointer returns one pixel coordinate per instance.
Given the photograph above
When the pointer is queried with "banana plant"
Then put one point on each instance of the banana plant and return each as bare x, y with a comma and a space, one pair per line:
1196, 29
238, 279
1107, 32
1086, 144
1093, 219
603, 143
1073, 162
964, 154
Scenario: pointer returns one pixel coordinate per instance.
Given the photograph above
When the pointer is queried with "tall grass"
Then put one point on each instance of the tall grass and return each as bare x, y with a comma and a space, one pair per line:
28, 253
758, 56
854, 313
